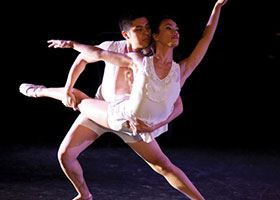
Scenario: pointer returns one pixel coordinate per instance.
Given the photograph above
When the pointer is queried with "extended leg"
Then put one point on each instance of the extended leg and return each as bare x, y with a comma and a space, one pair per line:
159, 162
33, 90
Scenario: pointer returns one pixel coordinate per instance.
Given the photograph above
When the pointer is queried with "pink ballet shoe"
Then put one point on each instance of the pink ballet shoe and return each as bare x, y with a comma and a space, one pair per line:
29, 90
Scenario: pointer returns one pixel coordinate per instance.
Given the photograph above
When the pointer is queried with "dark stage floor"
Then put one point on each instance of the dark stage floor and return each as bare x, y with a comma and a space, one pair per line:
29, 172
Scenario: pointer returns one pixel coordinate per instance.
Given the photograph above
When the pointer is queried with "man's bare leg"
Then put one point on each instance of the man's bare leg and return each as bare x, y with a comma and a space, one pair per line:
76, 141
153, 155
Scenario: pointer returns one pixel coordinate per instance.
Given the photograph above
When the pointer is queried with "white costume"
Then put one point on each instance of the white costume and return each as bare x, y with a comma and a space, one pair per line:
110, 71
151, 100
156, 104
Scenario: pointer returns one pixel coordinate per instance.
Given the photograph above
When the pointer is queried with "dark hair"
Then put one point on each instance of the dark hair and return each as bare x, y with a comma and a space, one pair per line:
125, 20
156, 21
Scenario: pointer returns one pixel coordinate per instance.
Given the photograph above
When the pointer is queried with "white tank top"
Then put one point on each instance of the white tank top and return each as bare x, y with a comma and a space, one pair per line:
110, 71
158, 96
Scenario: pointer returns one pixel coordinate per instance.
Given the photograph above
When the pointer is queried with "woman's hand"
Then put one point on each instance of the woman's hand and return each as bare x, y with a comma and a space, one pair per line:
222, 2
60, 44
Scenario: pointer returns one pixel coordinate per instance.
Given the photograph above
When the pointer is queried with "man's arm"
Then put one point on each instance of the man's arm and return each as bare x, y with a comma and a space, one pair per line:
76, 69
90, 54
190, 63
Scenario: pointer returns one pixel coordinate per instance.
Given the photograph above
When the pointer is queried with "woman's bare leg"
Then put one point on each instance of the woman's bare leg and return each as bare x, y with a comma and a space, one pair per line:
94, 109
33, 90
158, 161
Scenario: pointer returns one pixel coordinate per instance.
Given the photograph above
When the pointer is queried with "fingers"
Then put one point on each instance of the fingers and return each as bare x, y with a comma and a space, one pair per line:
54, 43
60, 44
138, 126
131, 125
134, 129
70, 101
51, 44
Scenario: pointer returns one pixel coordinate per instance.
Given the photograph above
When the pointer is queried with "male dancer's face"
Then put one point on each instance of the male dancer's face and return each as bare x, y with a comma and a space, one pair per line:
139, 34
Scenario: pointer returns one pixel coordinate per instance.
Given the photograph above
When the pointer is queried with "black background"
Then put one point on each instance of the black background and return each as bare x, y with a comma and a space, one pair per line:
231, 100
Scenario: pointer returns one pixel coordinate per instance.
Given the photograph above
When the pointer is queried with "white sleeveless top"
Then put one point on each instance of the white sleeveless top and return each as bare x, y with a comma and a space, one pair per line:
157, 101
153, 97
110, 71
159, 95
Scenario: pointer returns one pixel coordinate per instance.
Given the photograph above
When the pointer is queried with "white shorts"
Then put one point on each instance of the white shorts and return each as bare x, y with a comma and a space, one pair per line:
126, 136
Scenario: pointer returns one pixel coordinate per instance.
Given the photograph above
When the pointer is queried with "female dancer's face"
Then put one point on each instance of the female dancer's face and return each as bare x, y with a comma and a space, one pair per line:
168, 34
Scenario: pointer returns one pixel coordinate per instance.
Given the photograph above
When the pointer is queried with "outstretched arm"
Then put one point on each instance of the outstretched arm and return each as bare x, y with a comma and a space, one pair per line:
190, 63
90, 53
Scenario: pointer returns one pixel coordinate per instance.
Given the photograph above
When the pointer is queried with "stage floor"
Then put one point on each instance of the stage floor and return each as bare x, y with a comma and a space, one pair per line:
117, 173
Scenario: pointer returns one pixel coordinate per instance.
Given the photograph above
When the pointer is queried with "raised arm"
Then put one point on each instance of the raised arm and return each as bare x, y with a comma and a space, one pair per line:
190, 63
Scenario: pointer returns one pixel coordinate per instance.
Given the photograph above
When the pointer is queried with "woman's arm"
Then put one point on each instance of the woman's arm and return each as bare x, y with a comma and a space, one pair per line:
139, 126
92, 53
190, 63
178, 110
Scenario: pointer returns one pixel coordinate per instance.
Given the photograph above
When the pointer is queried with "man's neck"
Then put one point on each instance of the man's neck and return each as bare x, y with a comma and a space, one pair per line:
129, 48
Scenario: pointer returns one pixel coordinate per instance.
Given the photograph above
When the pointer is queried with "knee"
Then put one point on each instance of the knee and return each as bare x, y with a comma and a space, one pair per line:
65, 155
163, 167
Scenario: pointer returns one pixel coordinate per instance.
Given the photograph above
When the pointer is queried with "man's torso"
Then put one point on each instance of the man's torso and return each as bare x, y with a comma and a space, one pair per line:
116, 80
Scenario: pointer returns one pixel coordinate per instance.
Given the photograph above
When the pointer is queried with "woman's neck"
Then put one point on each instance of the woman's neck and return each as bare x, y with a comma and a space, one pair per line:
164, 55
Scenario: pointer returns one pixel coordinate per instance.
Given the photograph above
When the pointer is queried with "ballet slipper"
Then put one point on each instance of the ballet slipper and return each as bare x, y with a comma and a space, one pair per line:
29, 90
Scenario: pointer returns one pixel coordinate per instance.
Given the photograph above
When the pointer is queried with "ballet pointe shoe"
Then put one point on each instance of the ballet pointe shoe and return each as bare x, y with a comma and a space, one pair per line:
30, 90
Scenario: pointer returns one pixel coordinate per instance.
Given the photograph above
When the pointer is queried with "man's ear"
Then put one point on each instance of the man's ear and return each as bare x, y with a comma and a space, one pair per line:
125, 35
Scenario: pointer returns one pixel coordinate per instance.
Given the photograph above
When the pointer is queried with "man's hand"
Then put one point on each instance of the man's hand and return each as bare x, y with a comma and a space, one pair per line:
60, 44
69, 99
